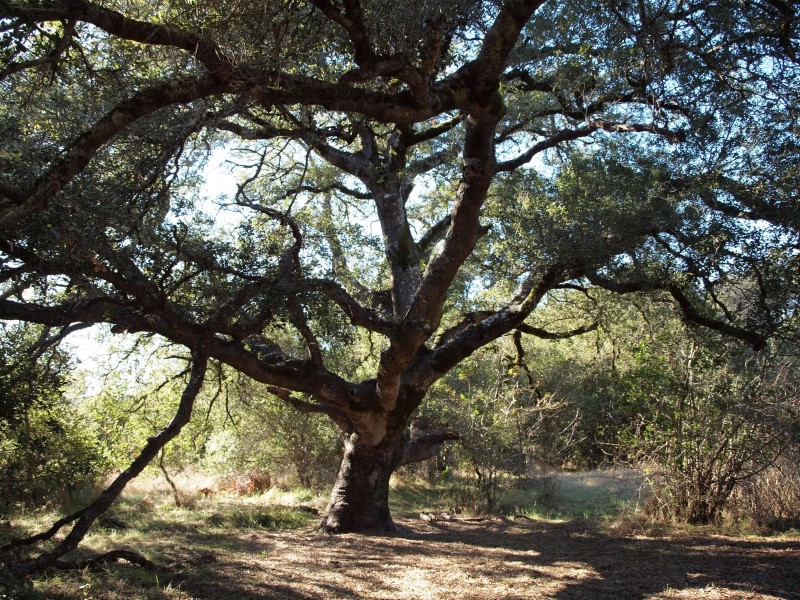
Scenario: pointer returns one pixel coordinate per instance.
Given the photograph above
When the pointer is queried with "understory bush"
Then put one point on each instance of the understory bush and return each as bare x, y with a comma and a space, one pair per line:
770, 500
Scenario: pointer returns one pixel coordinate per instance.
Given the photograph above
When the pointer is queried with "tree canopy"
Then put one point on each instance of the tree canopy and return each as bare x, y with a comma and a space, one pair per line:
420, 175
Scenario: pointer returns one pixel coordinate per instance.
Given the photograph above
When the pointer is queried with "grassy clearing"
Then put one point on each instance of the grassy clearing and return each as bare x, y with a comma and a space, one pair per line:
217, 541
147, 521
548, 495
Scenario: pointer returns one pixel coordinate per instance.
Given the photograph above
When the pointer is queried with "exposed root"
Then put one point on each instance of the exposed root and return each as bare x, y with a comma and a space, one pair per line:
446, 517
113, 556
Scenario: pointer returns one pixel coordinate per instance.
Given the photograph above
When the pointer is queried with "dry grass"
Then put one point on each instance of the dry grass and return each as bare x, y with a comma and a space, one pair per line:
494, 559
222, 549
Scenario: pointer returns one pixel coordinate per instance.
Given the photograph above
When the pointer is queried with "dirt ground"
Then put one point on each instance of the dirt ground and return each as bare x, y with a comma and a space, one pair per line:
496, 559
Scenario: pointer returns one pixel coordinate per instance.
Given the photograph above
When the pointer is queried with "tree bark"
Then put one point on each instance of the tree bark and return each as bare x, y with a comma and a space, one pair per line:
360, 497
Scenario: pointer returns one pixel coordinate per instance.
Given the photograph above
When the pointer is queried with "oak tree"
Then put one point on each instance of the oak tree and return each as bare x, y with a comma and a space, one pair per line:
419, 174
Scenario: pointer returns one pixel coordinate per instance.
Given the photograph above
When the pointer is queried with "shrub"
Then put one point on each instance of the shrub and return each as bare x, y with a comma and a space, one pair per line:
770, 500
47, 451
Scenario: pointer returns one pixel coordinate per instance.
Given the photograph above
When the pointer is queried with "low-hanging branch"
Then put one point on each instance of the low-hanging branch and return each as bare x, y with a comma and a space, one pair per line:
84, 518
556, 335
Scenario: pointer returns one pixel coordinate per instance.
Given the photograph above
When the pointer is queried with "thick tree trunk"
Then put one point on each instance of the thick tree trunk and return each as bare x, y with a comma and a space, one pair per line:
360, 497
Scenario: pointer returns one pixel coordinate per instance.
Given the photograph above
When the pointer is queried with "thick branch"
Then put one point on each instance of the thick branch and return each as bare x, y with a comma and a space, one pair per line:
336, 414
433, 235
85, 147
498, 43
126, 28
690, 313
424, 314
425, 447
478, 329
569, 135
432, 133
103, 503
358, 314
432, 161
560, 335
688, 309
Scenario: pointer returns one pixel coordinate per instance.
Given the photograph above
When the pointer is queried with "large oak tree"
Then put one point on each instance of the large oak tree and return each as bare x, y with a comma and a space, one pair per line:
421, 174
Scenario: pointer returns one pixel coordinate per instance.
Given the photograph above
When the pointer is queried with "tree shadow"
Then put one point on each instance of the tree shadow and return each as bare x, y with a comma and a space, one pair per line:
498, 559
468, 560
597, 564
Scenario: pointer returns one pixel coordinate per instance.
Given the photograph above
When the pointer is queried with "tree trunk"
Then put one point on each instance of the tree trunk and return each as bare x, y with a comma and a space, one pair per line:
360, 497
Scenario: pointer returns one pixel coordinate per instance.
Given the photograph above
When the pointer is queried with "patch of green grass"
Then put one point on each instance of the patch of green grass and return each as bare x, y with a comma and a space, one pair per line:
133, 516
166, 534
598, 494
254, 517
408, 498
116, 582
25, 523
595, 495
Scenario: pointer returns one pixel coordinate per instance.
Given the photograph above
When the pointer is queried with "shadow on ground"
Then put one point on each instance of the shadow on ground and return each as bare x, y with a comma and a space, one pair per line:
497, 560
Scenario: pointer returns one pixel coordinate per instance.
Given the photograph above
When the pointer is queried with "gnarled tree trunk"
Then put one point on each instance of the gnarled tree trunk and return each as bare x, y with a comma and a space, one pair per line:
360, 497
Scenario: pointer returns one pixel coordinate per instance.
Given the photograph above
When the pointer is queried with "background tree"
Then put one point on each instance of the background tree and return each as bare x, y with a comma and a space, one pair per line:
45, 445
353, 218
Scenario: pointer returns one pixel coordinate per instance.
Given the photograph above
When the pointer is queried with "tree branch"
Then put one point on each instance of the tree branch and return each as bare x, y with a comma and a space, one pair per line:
116, 24
336, 414
488, 67
433, 235
358, 314
431, 133
691, 314
569, 135
59, 47
425, 447
480, 328
105, 500
561, 335
84, 148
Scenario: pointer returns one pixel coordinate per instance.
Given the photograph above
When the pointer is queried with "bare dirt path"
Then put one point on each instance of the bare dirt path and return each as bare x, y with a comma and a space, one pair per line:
497, 559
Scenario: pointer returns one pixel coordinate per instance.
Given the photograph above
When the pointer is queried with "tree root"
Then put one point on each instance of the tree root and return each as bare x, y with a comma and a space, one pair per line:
430, 517
113, 556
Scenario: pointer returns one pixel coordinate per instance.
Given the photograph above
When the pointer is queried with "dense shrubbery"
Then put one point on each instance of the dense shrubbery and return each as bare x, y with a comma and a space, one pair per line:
48, 451
705, 418
297, 448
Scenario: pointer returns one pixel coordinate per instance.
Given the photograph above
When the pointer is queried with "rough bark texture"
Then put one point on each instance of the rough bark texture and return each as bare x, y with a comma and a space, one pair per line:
360, 497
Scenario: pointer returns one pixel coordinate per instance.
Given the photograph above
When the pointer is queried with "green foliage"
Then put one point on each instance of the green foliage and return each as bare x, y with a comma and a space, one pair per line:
268, 435
701, 414
639, 147
138, 396
710, 416
237, 426
47, 450
508, 425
